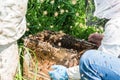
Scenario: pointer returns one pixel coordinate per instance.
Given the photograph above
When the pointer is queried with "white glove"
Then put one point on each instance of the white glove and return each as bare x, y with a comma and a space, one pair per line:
73, 73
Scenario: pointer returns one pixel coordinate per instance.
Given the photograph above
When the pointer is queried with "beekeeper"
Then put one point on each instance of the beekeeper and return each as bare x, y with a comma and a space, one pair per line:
12, 27
104, 63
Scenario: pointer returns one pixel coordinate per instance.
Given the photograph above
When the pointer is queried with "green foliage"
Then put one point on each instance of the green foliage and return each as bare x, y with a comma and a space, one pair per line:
68, 16
84, 31
55, 15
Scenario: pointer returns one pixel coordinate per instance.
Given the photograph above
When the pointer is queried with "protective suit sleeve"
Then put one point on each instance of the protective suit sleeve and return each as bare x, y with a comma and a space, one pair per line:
12, 20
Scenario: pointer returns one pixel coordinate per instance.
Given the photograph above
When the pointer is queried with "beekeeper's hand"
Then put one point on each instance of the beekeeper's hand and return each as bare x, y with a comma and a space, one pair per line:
58, 73
95, 38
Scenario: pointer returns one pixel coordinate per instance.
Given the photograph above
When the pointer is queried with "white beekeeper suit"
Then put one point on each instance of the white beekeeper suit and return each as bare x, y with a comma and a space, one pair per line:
12, 27
109, 9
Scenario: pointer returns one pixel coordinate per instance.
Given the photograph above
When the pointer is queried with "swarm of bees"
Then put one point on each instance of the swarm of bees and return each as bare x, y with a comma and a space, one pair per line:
48, 48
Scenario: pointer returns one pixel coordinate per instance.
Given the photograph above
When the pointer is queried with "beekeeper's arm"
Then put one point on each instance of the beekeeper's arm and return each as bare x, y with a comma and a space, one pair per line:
111, 41
12, 20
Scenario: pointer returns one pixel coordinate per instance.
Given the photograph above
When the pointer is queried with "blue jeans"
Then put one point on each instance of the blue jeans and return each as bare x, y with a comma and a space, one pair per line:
96, 65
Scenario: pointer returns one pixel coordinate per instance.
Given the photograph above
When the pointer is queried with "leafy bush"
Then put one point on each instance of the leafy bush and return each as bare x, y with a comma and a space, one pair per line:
68, 16
55, 15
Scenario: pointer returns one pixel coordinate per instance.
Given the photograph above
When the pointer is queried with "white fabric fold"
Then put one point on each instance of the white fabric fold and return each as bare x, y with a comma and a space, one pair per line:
12, 20
73, 73
107, 8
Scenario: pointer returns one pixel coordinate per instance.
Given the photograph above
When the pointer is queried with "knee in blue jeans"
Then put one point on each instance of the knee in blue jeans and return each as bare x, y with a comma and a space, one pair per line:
88, 57
85, 61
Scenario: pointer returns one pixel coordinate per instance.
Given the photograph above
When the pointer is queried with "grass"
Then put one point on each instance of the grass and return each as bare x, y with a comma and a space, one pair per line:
24, 50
